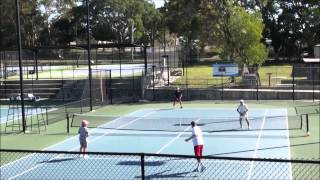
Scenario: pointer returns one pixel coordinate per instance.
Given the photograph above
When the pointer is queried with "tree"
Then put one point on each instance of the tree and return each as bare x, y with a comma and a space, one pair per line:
182, 17
31, 23
288, 22
222, 23
242, 34
118, 18
7, 24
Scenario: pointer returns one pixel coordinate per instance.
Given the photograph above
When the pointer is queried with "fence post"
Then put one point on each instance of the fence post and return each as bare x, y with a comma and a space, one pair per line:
307, 121
257, 93
145, 60
142, 167
222, 87
269, 76
293, 82
168, 70
312, 86
133, 92
153, 82
110, 73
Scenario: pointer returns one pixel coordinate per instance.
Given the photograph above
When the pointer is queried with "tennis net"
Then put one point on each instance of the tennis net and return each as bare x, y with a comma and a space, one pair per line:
308, 109
179, 124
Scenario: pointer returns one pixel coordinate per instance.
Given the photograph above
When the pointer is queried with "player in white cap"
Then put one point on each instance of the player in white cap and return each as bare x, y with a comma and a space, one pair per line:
243, 111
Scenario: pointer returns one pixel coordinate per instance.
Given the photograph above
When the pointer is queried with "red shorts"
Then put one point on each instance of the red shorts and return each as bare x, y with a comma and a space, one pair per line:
198, 150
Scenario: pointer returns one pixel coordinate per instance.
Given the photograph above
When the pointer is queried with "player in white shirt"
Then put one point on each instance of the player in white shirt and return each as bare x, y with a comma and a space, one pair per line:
243, 111
197, 140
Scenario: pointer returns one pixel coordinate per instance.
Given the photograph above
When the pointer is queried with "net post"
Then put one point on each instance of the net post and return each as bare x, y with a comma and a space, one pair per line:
47, 120
301, 119
142, 167
68, 129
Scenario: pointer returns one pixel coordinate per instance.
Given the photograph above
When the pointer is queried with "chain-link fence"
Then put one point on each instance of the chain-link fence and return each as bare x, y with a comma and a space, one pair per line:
294, 82
23, 164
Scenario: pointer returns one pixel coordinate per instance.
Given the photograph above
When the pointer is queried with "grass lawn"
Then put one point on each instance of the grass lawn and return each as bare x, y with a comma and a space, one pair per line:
200, 75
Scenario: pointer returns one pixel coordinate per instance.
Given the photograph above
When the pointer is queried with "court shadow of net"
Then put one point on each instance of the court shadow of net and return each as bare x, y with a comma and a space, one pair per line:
261, 149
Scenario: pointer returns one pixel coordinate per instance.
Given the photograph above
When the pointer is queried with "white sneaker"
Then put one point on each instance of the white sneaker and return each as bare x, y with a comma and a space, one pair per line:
249, 127
85, 156
203, 168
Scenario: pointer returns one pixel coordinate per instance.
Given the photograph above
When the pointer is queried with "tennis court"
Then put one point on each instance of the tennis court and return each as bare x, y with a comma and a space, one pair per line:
162, 131
7, 115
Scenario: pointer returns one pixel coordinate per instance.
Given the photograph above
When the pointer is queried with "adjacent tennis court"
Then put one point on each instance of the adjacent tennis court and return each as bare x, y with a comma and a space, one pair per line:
8, 115
162, 131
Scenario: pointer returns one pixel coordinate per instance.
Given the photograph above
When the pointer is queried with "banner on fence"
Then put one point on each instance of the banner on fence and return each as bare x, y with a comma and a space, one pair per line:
225, 70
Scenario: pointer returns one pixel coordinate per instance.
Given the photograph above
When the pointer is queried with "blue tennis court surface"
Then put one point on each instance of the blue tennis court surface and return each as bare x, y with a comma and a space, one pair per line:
268, 138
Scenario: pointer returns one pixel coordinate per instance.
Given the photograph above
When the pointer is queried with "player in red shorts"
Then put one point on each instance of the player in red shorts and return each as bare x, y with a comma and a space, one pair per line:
177, 98
197, 140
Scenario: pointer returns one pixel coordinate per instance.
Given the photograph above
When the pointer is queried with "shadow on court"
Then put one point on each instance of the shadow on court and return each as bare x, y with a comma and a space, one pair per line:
170, 176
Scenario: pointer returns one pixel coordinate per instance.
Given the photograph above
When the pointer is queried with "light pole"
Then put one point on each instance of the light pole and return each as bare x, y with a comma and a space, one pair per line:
20, 64
89, 54
269, 41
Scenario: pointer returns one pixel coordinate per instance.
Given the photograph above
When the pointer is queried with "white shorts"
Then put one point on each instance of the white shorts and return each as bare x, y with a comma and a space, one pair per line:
244, 117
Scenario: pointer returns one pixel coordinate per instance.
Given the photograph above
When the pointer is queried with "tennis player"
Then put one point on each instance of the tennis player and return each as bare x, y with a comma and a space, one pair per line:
177, 98
243, 112
83, 138
197, 140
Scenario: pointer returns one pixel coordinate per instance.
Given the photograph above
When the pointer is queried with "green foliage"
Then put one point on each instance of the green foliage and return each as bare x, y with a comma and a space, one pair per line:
243, 33
292, 25
119, 17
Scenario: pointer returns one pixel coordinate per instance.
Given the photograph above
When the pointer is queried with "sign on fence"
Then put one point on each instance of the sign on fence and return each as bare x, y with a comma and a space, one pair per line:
225, 70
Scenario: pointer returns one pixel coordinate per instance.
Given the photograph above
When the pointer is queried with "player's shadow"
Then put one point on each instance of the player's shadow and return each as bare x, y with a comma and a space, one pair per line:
175, 175
59, 160
138, 163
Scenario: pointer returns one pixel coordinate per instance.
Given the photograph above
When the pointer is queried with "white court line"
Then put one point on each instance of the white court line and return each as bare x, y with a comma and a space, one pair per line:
257, 144
130, 122
289, 150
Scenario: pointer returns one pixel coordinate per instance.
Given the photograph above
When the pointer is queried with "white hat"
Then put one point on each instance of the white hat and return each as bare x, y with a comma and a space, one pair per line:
241, 100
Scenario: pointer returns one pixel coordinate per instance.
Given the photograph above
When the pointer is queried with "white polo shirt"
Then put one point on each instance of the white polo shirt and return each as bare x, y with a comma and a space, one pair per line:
198, 139
243, 108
